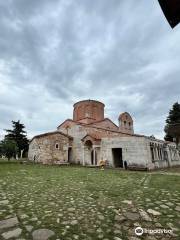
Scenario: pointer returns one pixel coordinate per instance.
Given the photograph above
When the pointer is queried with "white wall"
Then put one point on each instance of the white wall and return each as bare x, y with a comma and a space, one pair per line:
135, 150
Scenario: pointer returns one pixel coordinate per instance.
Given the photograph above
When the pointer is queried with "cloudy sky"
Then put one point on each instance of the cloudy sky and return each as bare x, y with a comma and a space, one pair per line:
54, 53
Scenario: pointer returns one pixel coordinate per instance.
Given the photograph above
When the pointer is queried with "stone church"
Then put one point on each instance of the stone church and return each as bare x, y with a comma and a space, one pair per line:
90, 137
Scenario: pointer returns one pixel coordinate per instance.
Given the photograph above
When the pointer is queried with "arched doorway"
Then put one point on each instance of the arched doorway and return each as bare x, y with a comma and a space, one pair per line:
88, 152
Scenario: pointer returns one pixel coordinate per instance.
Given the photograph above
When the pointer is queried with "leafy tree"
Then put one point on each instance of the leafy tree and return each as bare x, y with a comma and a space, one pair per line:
18, 135
173, 118
9, 148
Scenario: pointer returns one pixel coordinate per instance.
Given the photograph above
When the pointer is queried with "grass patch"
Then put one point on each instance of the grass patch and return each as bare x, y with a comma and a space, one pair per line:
82, 203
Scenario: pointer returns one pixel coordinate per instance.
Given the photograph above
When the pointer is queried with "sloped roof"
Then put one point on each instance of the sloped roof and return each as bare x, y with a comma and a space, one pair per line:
70, 120
101, 128
104, 120
51, 133
92, 135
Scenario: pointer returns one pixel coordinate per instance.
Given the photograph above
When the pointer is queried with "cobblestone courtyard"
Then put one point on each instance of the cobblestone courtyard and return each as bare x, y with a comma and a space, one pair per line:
45, 202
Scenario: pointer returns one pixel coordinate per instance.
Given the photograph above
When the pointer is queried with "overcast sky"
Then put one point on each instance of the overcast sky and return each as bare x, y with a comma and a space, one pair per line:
54, 53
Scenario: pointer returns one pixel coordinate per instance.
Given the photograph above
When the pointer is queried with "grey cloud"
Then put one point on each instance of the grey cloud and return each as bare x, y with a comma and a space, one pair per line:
54, 53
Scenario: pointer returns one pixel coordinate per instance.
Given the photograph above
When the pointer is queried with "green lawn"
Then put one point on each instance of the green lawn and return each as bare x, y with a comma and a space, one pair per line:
87, 203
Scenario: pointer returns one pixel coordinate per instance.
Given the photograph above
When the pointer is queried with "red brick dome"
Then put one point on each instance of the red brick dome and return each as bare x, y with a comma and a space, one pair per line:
88, 111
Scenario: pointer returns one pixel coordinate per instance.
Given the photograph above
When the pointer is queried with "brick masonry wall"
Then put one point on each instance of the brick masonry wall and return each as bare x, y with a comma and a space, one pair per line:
88, 109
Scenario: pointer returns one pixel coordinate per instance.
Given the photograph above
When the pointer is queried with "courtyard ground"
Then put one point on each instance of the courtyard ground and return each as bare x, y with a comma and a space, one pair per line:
69, 202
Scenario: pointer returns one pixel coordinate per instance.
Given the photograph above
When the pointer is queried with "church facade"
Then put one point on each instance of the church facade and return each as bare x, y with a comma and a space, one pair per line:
89, 138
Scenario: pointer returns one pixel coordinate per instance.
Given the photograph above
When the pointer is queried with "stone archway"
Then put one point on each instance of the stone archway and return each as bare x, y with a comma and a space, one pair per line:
90, 153
91, 147
88, 147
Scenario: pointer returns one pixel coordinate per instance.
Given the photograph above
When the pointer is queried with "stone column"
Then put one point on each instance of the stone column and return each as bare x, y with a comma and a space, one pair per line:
94, 155
153, 150
155, 154
67, 153
169, 156
157, 157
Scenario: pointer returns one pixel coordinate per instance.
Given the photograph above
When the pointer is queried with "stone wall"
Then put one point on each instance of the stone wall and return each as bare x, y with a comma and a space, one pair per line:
163, 154
49, 149
78, 132
135, 150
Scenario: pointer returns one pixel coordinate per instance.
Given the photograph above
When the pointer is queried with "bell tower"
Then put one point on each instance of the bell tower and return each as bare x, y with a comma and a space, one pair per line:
126, 123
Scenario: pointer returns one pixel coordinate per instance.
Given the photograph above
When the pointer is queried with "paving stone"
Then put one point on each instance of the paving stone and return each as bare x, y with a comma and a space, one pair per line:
127, 202
71, 209
34, 219
144, 215
132, 216
174, 235
158, 225
170, 225
120, 218
74, 222
11, 222
75, 236
42, 234
164, 206
29, 228
133, 238
99, 230
4, 202
117, 231
177, 208
170, 204
117, 238
12, 234
23, 216
116, 226
151, 238
100, 236
153, 212
136, 224
101, 217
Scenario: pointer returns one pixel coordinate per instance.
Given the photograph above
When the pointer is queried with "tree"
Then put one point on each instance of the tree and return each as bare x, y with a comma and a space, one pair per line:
18, 135
174, 131
171, 122
1, 150
9, 148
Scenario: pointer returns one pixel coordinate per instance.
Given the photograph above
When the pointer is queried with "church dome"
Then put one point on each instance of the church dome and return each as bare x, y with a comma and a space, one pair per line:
88, 111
